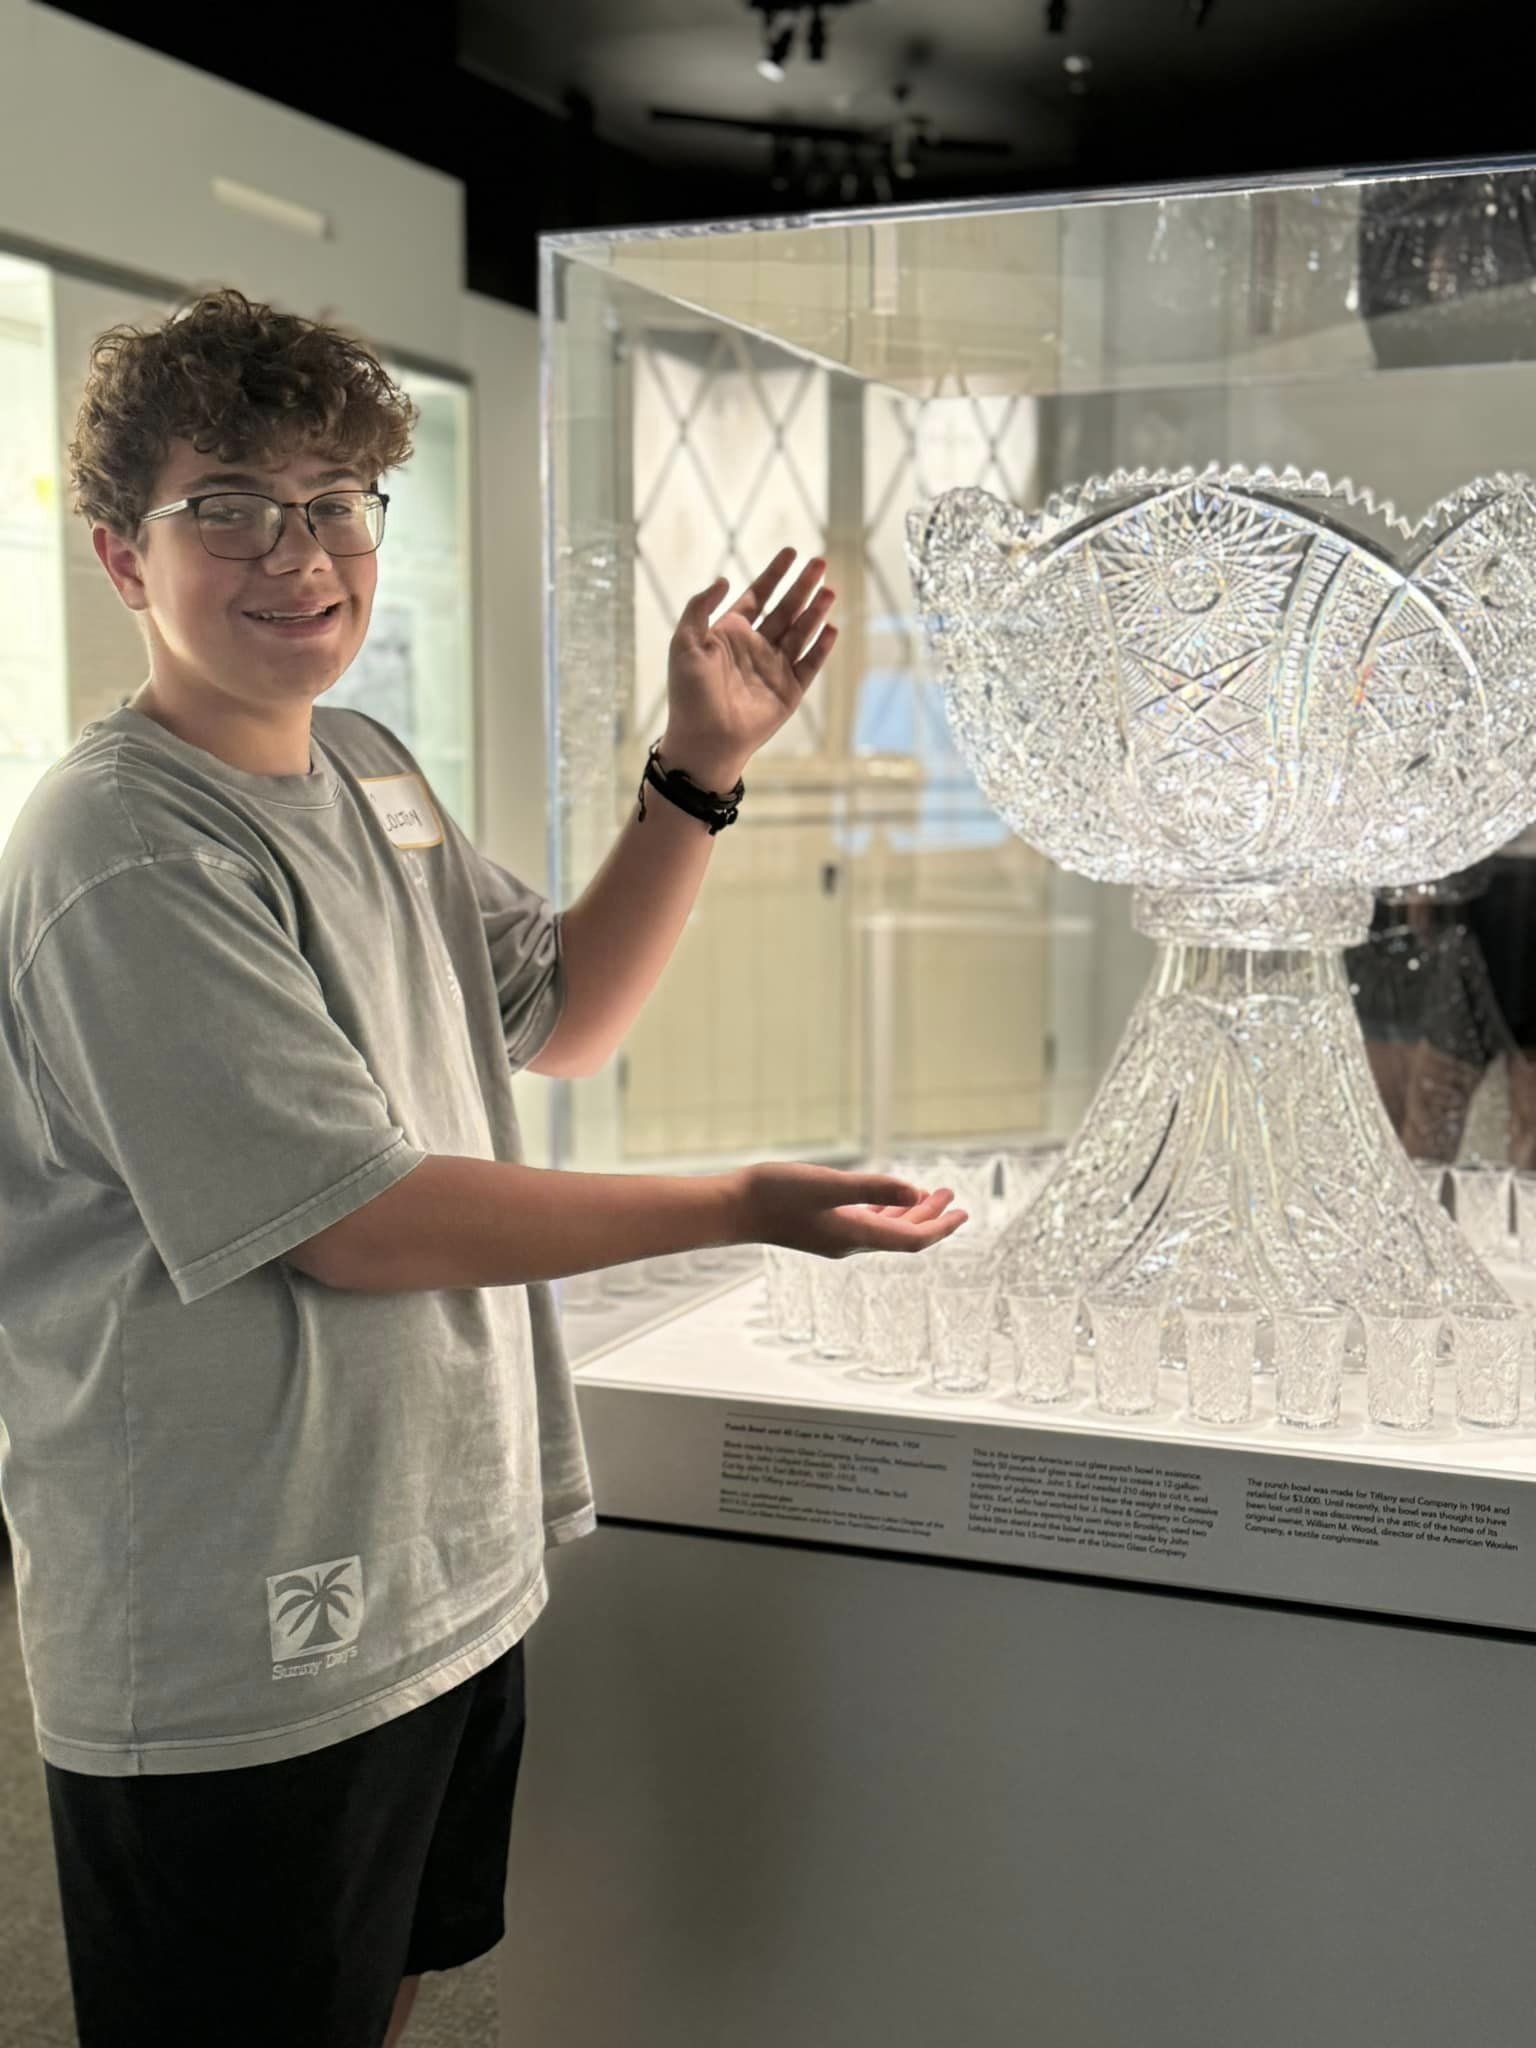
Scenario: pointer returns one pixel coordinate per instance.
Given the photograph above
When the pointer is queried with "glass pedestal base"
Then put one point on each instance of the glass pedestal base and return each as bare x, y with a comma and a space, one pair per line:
1238, 1148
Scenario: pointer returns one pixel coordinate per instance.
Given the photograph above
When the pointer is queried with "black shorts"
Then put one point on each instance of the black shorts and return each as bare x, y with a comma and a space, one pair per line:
285, 1902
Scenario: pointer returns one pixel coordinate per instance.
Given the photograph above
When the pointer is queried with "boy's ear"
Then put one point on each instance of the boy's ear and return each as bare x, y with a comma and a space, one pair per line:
120, 558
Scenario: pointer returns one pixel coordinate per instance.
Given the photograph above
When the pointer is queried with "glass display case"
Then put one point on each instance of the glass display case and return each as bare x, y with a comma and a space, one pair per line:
882, 970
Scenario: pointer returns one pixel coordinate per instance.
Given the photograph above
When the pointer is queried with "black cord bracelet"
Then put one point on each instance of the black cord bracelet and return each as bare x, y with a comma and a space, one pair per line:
679, 788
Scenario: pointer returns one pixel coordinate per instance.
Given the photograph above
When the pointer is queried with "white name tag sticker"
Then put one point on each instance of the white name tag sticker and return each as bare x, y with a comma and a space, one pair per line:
404, 810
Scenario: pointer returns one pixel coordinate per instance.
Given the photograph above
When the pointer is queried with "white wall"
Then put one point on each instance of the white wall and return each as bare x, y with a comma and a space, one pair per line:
109, 151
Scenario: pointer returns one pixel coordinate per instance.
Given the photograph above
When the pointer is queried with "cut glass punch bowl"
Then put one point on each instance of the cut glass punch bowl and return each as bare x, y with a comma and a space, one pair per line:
1258, 697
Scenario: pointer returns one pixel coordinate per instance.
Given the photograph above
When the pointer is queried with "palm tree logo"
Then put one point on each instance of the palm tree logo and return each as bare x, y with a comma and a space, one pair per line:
313, 1596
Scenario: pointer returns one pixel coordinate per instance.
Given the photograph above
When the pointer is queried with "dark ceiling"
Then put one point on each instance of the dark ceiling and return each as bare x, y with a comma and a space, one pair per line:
543, 108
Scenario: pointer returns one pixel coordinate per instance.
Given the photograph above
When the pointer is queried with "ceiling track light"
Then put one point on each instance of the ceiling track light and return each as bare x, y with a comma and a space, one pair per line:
1056, 17
778, 42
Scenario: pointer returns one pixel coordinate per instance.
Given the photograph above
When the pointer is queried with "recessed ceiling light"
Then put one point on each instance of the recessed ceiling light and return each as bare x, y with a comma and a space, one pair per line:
1077, 65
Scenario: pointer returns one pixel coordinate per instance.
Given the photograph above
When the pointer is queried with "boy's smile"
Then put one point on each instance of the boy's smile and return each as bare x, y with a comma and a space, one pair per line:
240, 649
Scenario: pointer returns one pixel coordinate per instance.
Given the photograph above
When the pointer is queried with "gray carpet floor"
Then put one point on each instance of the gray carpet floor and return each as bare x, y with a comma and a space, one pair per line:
456, 2009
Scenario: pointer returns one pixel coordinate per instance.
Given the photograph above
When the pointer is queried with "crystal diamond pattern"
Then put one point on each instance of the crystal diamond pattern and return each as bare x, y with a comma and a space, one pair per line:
1246, 646
1259, 697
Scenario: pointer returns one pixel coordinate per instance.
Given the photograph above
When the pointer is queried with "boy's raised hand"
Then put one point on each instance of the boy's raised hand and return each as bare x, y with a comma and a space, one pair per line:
731, 685
818, 1209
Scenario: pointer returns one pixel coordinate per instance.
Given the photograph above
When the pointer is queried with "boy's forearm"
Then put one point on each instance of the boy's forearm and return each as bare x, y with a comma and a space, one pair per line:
454, 1222
623, 929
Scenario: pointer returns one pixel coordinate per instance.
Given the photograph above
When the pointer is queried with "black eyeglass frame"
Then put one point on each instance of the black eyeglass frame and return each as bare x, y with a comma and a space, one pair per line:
284, 506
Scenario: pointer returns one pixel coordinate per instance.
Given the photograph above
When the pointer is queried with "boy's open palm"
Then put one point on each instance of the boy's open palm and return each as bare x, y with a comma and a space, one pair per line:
817, 1209
731, 685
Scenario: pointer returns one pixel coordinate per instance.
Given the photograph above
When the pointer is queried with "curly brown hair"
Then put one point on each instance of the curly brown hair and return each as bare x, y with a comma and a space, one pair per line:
240, 381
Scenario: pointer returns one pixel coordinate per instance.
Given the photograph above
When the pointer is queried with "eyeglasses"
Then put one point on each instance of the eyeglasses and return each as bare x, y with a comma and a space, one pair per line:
242, 526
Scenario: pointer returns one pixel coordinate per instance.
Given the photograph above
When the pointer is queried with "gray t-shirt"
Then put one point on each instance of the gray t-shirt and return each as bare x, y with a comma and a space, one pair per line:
252, 1515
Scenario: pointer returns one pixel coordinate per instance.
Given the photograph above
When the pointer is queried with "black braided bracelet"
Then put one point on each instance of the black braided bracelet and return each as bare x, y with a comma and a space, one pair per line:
679, 788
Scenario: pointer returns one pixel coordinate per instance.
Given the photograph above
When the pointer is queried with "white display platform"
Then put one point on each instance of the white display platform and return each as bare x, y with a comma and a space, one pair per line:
778, 1796
704, 1420
868, 1786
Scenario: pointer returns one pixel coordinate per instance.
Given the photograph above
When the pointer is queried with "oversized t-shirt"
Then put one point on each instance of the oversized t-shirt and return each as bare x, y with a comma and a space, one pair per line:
252, 1515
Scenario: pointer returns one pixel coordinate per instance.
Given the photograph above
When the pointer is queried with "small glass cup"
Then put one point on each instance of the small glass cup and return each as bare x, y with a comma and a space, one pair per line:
788, 1277
1488, 1345
895, 1314
773, 1281
1309, 1364
625, 1280
837, 1308
578, 1291
1220, 1347
1525, 1217
1402, 1346
670, 1269
1127, 1345
1043, 1328
794, 1317
962, 1314
1482, 1207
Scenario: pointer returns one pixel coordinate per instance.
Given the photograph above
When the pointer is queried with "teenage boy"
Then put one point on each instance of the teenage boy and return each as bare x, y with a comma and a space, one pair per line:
287, 1424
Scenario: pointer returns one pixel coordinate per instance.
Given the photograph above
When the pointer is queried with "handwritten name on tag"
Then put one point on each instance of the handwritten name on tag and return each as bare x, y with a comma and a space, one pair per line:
404, 810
